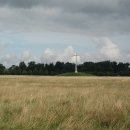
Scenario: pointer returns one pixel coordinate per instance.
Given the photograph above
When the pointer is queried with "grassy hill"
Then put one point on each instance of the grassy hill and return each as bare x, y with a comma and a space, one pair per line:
75, 74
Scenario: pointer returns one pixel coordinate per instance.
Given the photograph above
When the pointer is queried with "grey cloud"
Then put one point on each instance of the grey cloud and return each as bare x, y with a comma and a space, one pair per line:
89, 17
124, 6
68, 5
30, 3
19, 3
86, 6
83, 6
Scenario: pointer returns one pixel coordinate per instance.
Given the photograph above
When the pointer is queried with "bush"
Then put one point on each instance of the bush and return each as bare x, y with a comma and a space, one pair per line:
24, 72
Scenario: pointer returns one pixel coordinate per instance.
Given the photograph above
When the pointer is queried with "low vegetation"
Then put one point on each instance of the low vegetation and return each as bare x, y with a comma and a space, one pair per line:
103, 68
75, 74
64, 103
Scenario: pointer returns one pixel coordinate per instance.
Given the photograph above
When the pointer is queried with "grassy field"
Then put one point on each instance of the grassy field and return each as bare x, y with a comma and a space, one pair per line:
64, 103
75, 74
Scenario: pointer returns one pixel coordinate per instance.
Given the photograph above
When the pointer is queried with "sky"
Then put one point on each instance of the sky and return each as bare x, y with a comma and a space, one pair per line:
46, 31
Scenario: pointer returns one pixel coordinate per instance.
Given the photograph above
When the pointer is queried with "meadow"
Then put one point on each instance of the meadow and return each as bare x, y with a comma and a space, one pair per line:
64, 103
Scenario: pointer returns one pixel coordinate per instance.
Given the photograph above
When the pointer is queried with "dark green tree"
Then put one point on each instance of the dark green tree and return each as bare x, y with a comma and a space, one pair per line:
69, 67
13, 70
24, 72
31, 65
40, 66
35, 72
46, 72
52, 73
41, 72
51, 68
29, 72
22, 66
2, 68
59, 67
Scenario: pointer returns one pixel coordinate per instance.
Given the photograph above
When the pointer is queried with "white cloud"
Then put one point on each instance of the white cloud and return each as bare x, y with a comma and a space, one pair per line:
50, 55
67, 54
108, 50
9, 60
13, 59
86, 57
26, 56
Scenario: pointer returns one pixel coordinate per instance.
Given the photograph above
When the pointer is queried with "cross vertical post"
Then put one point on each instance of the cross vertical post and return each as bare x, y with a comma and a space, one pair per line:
76, 63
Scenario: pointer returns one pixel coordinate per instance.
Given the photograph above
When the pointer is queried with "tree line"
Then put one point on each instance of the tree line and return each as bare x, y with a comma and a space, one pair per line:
104, 68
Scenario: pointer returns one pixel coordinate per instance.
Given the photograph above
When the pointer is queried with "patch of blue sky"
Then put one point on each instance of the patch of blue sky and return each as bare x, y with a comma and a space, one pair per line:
38, 42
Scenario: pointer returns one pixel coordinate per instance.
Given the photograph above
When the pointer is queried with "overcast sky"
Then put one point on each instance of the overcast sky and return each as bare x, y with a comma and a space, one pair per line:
53, 30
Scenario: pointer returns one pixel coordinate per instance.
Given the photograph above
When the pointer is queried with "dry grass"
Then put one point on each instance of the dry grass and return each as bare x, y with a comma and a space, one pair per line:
64, 103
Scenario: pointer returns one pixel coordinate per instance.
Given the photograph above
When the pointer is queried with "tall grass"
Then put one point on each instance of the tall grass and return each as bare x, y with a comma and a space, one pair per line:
64, 103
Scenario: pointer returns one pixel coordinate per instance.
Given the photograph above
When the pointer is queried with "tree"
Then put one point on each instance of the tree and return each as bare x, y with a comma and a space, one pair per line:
31, 65
41, 72
51, 68
114, 67
17, 70
12, 69
89, 66
46, 72
6, 71
51, 73
22, 66
2, 68
121, 66
29, 72
127, 66
39, 66
24, 72
35, 72
59, 66
103, 68
46, 67
69, 67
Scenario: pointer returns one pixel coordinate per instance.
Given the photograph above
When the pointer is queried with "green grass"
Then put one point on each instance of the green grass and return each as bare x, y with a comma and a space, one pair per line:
75, 74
